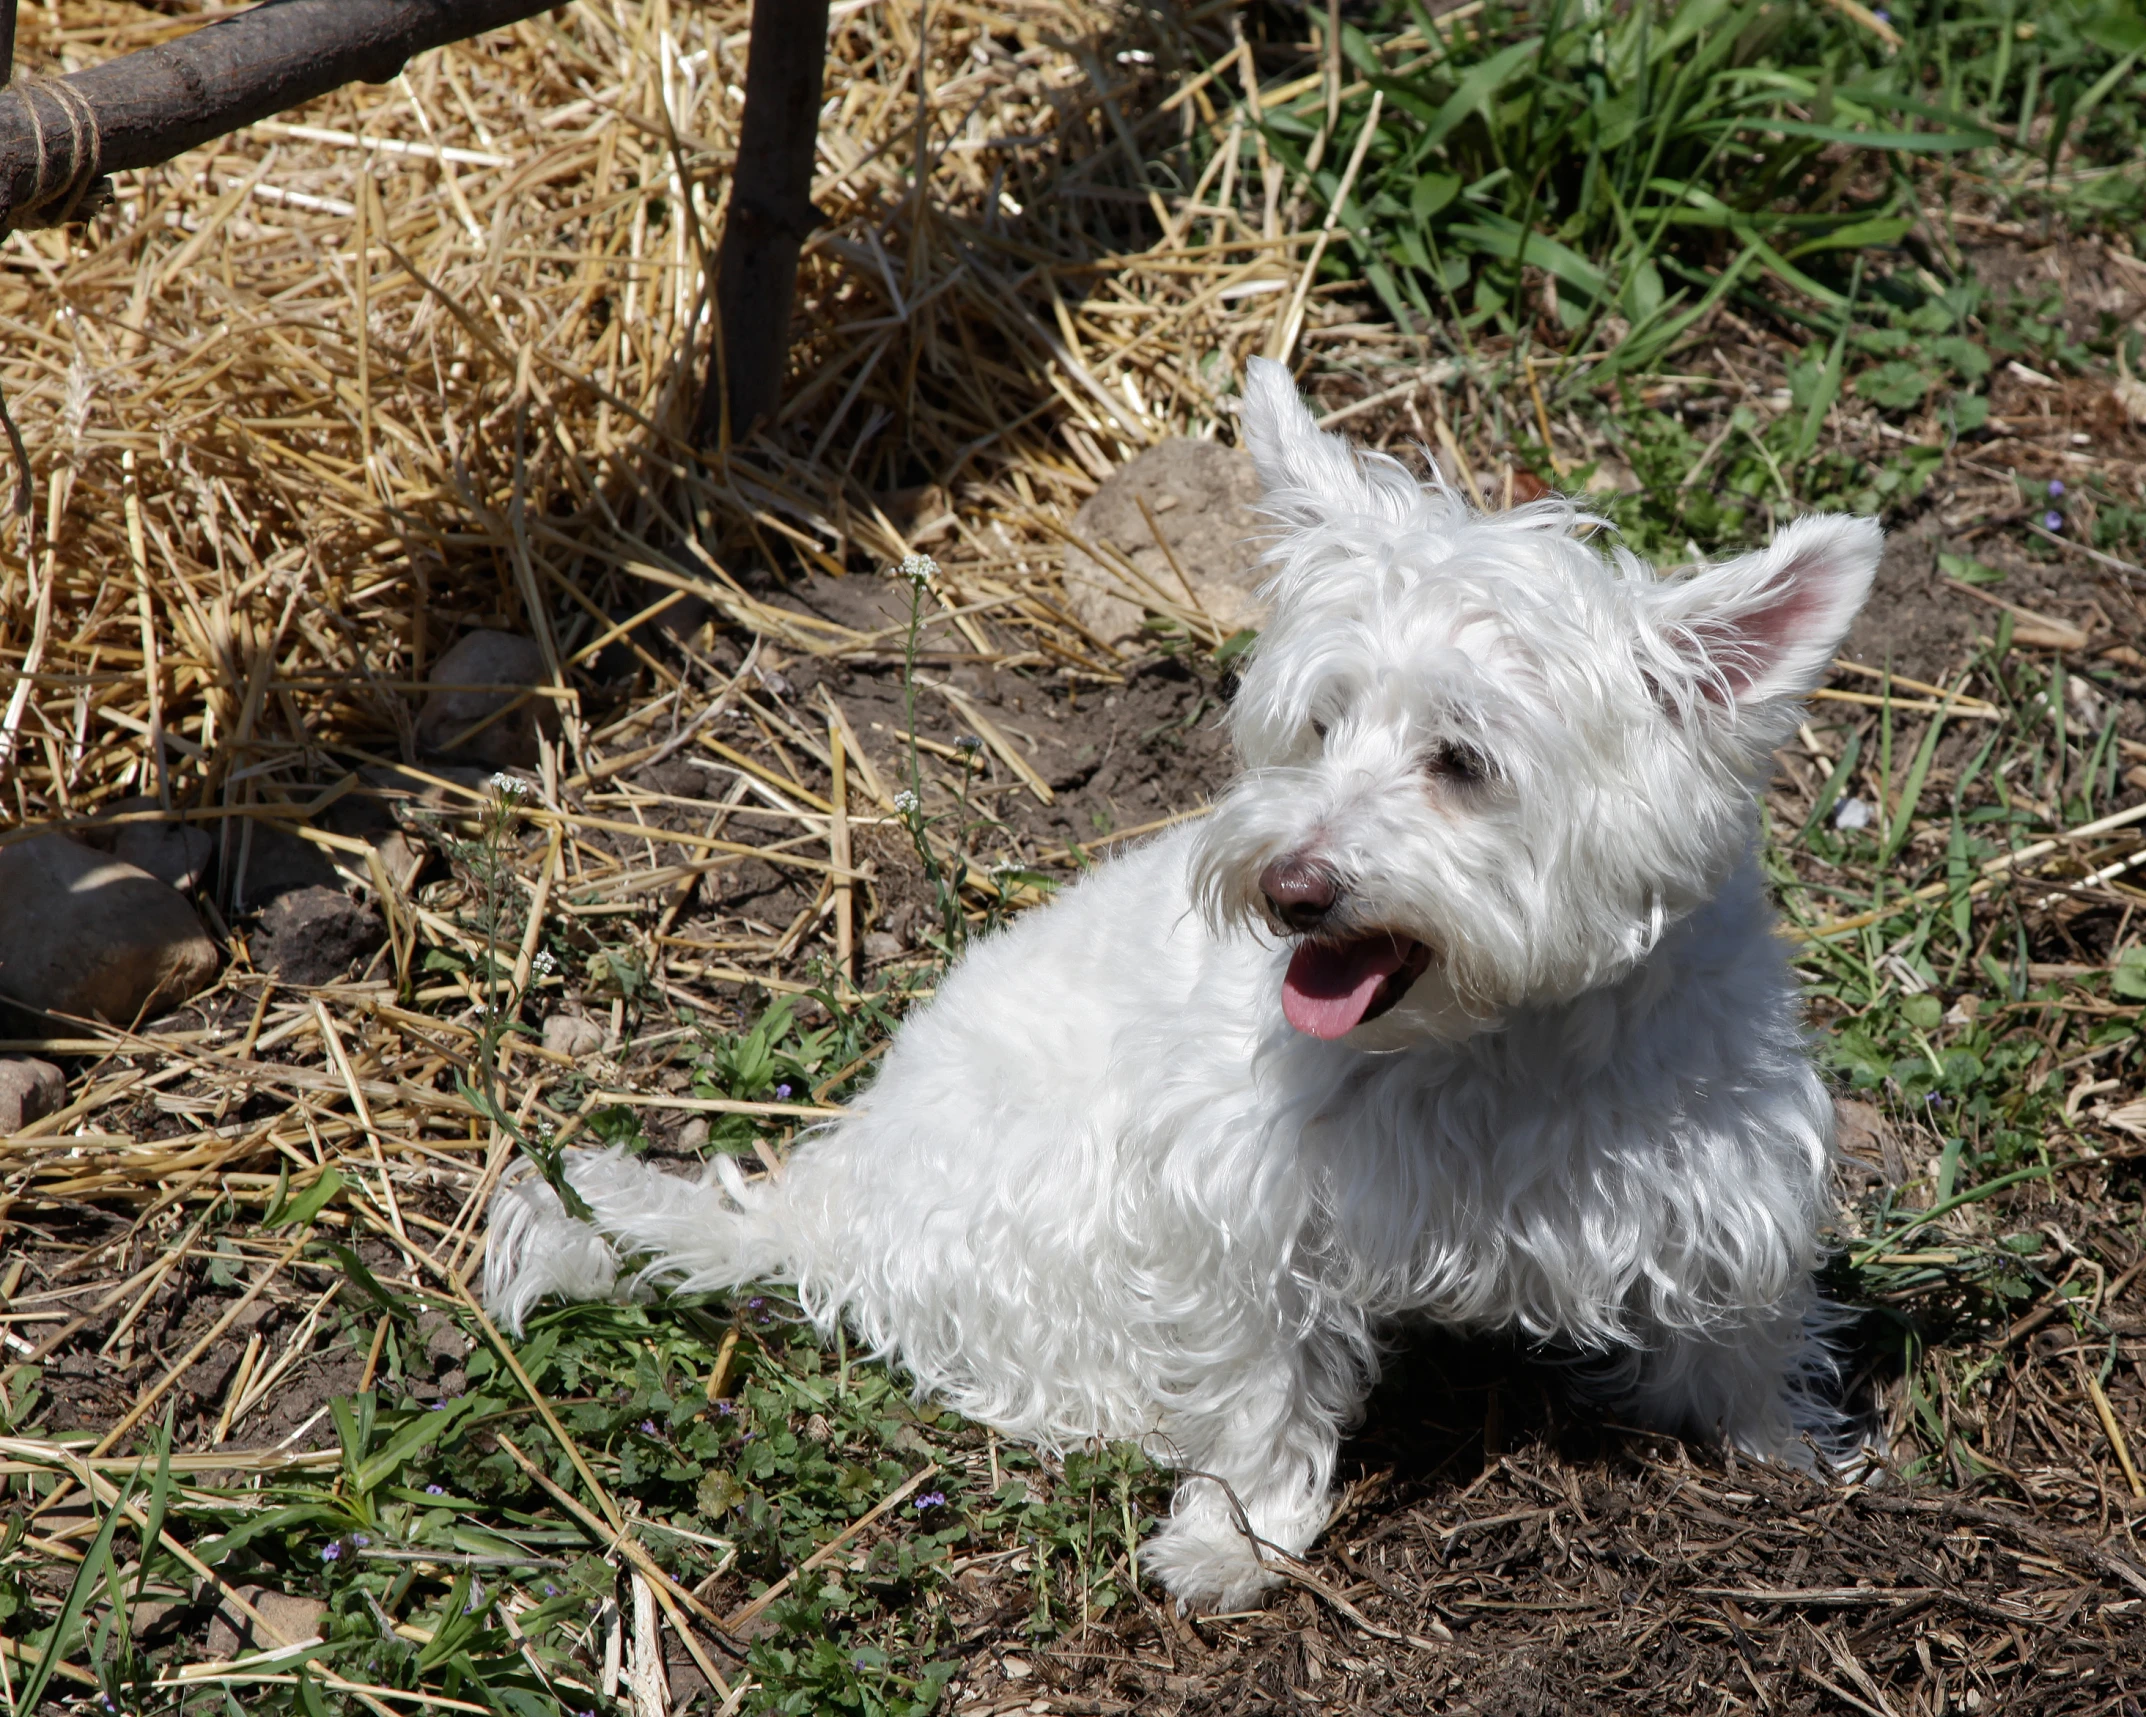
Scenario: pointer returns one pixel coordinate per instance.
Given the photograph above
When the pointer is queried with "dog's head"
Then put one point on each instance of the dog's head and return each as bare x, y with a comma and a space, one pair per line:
1485, 764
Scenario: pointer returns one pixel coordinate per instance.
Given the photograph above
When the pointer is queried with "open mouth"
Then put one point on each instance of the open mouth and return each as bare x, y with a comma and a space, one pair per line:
1333, 987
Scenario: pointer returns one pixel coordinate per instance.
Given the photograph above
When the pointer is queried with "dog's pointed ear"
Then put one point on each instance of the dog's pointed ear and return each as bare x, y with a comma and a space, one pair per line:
1767, 625
1308, 474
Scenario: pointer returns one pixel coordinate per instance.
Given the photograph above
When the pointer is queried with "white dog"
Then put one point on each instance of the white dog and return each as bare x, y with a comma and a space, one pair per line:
1463, 1006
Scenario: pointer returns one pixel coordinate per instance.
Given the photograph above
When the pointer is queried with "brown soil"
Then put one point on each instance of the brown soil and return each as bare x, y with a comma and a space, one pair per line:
1578, 1574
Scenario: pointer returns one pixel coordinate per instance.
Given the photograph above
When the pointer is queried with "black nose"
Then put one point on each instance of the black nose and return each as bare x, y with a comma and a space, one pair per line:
1301, 893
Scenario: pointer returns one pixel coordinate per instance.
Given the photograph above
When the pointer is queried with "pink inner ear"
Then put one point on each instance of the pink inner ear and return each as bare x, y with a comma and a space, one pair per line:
1749, 648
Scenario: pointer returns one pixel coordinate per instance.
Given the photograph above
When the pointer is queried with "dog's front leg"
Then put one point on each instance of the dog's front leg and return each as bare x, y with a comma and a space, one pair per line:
1257, 1477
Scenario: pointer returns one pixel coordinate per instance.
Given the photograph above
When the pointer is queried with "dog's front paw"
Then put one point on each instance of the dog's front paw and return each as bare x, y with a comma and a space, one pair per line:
1207, 1564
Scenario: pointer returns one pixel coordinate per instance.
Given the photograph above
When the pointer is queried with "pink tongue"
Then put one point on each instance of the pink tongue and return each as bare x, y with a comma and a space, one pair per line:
1330, 986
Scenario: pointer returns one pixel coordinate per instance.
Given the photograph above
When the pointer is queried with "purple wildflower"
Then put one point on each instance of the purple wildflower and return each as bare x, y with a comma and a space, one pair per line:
331, 1552
930, 1499
1881, 14
648, 1427
435, 1490
360, 1540
726, 1408
783, 1090
2052, 520
550, 1591
2056, 488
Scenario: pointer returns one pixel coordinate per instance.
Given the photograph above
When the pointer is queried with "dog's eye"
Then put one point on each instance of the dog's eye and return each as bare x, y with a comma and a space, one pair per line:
1319, 727
1458, 761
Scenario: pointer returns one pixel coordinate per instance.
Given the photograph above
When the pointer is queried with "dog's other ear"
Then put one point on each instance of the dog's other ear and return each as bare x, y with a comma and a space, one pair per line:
1309, 475
1767, 624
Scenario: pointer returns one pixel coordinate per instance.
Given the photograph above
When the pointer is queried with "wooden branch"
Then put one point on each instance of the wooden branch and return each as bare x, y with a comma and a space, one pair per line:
58, 136
770, 216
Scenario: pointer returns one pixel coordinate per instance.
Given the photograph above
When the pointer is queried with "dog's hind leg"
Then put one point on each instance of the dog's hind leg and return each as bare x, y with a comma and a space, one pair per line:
1765, 1387
707, 1234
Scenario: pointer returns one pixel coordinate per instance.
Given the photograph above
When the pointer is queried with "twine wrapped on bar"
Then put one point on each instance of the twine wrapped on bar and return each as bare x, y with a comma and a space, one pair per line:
59, 136
70, 183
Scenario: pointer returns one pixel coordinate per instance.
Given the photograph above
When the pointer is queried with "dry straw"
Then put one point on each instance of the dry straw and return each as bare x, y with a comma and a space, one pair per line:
305, 405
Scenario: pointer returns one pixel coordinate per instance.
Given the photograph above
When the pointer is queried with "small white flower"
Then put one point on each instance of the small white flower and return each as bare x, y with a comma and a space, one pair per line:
968, 742
509, 786
919, 569
544, 962
905, 802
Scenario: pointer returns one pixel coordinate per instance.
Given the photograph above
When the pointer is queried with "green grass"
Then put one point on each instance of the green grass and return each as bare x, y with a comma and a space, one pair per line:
426, 1536
1933, 1011
1655, 159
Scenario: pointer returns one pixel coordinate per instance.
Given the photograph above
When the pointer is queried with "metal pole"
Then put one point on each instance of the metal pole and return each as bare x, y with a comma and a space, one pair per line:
770, 217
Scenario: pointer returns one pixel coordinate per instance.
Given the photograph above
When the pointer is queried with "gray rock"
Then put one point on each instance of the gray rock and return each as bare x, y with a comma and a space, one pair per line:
314, 935
29, 1091
83, 933
572, 1035
693, 1136
1203, 497
487, 659
881, 946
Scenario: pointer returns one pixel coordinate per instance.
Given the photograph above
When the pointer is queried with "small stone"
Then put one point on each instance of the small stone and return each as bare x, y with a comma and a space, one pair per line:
294, 1619
678, 777
1204, 497
156, 1618
1863, 1134
572, 1035
693, 1136
267, 863
177, 854
431, 788
881, 946
140, 832
29, 1091
487, 659
401, 858
313, 936
82, 933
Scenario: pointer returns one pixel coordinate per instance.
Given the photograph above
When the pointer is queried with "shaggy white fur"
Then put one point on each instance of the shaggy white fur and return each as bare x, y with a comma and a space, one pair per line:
1462, 1006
